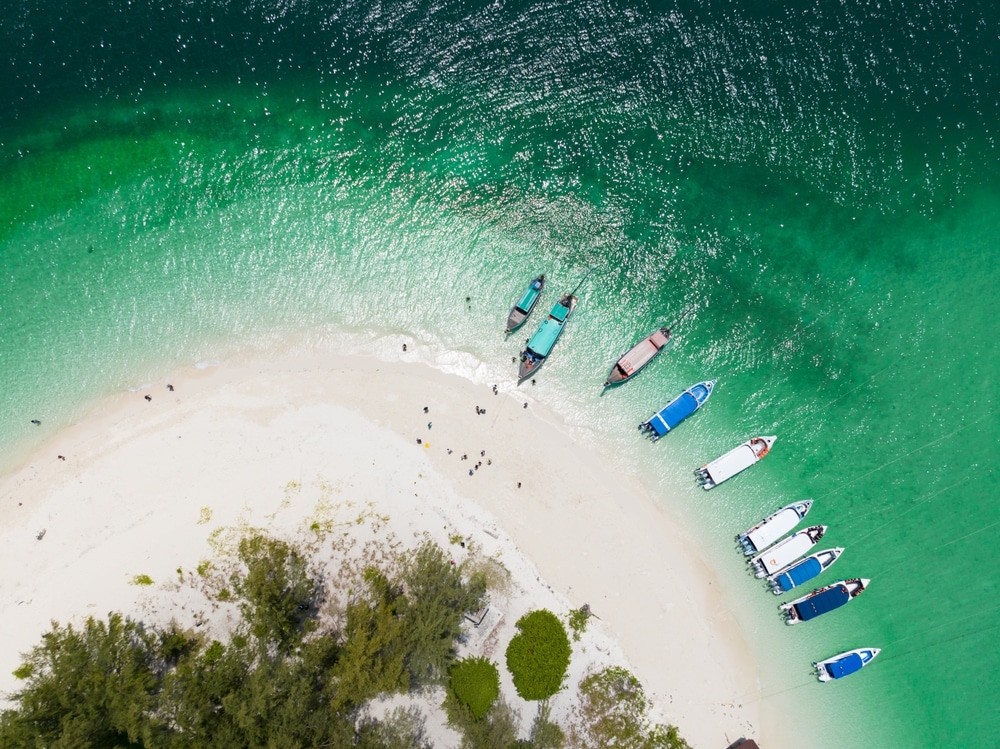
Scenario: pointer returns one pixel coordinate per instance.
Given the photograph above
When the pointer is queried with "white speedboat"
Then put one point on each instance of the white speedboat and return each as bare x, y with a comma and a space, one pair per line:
804, 571
785, 553
754, 540
738, 459
846, 663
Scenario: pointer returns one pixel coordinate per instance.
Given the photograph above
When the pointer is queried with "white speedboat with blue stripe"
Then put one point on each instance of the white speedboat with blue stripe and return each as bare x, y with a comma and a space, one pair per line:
846, 663
804, 571
677, 410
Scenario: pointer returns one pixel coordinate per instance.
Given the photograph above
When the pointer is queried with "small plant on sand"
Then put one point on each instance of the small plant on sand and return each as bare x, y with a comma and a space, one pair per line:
538, 655
578, 621
204, 567
205, 516
142, 580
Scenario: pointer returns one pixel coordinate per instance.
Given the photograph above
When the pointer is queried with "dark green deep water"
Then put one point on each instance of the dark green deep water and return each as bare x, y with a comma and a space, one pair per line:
818, 182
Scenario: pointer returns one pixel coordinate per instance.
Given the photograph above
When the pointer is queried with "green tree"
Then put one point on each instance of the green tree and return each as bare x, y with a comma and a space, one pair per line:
372, 653
437, 598
544, 733
498, 730
401, 729
538, 656
89, 687
277, 590
475, 683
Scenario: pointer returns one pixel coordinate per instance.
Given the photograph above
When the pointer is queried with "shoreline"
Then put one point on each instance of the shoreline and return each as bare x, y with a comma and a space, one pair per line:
594, 534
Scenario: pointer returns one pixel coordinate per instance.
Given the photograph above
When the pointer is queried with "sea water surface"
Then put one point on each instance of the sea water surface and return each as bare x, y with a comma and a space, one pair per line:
812, 185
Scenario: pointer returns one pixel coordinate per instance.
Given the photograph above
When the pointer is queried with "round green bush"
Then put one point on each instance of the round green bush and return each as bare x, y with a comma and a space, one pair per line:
538, 655
475, 682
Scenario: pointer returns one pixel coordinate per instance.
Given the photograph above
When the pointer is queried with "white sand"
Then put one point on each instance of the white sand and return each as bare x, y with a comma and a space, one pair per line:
280, 444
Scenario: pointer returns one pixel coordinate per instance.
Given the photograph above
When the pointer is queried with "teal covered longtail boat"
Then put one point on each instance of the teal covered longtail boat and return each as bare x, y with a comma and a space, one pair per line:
523, 306
541, 343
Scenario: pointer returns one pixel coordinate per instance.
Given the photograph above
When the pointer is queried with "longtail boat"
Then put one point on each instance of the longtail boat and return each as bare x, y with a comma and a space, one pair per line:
541, 343
637, 357
523, 306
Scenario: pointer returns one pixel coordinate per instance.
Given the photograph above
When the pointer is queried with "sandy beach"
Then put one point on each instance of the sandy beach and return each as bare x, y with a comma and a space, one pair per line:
279, 443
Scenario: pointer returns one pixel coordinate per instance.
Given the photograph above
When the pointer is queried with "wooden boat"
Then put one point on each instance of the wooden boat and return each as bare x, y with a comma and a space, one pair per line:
846, 663
738, 459
804, 571
774, 526
541, 343
823, 600
637, 357
786, 552
523, 306
677, 410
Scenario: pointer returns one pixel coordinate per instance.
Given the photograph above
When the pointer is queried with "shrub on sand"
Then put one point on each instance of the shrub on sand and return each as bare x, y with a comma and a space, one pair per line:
538, 656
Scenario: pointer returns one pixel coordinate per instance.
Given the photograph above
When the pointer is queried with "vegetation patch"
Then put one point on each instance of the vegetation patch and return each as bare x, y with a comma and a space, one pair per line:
475, 683
141, 580
538, 655
578, 621
613, 711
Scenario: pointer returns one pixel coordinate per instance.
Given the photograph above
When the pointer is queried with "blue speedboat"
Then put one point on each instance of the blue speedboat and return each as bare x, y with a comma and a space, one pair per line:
523, 306
804, 571
677, 410
846, 663
823, 600
541, 343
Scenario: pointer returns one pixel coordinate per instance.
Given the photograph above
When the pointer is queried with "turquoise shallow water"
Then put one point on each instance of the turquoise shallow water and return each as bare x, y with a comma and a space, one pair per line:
816, 185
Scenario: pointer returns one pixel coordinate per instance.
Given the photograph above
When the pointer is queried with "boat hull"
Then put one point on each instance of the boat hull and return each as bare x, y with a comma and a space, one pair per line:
636, 358
672, 414
733, 462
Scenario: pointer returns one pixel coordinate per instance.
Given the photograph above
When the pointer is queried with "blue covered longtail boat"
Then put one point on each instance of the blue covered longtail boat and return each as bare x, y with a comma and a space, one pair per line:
677, 410
541, 343
523, 306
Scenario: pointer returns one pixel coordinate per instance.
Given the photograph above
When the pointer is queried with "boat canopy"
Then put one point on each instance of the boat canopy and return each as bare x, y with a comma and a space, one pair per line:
844, 666
822, 602
802, 572
545, 337
774, 528
673, 413
525, 303
659, 338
